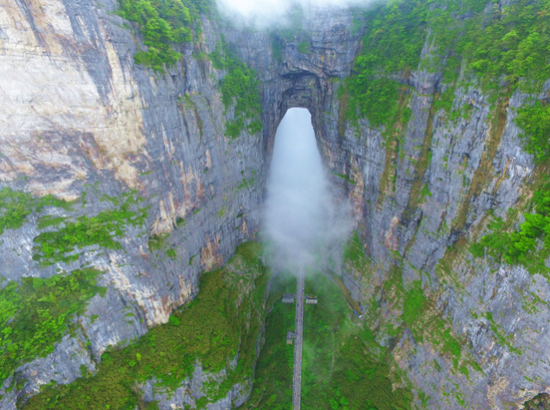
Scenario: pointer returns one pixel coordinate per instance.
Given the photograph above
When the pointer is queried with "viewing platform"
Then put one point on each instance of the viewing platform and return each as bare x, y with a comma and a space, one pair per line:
311, 300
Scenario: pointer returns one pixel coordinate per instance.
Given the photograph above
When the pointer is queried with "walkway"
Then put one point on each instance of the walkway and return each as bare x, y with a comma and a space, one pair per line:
297, 379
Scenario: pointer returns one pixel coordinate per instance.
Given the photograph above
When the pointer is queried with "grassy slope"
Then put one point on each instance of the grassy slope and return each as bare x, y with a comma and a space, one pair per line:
224, 319
36, 313
163, 23
273, 379
340, 372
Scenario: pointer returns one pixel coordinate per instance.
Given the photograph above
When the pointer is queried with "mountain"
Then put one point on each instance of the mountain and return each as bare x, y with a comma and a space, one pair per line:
134, 147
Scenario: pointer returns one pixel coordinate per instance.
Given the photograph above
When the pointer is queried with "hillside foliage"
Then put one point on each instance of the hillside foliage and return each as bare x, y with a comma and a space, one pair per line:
534, 120
498, 48
341, 372
529, 244
163, 23
63, 244
17, 206
37, 313
223, 321
240, 88
273, 374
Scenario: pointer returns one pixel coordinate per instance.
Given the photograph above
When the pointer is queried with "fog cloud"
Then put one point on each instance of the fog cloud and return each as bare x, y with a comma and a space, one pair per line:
301, 220
269, 12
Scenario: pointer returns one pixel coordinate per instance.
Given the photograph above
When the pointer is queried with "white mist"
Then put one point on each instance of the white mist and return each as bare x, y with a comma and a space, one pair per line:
267, 13
299, 216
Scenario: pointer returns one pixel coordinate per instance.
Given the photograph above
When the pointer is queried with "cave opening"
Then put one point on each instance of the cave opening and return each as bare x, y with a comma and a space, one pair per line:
294, 213
304, 232
298, 204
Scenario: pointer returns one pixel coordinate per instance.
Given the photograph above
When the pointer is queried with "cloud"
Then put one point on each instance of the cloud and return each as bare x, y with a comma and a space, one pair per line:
271, 12
301, 219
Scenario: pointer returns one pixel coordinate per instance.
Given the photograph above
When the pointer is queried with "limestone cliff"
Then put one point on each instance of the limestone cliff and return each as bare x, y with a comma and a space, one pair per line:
80, 120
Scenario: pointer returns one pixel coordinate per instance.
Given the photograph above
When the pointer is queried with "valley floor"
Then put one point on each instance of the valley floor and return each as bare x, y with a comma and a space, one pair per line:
339, 369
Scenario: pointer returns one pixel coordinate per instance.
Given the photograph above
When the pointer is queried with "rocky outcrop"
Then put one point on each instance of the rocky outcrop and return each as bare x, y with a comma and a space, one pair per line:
540, 402
83, 118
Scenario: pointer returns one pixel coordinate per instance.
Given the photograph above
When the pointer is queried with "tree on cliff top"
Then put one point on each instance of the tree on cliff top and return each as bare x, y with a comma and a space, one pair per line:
162, 23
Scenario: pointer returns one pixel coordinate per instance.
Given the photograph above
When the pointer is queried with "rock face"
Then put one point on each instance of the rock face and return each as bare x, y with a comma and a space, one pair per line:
79, 117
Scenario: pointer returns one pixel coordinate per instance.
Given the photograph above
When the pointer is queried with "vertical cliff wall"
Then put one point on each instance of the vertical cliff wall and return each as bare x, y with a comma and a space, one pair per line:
81, 121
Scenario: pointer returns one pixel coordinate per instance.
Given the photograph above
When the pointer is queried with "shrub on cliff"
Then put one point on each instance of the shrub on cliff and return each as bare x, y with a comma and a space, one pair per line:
529, 245
535, 122
37, 313
241, 87
162, 23
472, 42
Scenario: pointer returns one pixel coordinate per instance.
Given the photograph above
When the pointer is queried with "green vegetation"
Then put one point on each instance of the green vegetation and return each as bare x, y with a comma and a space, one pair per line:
529, 245
353, 252
392, 43
535, 122
503, 340
156, 242
246, 182
511, 42
345, 177
505, 43
277, 47
359, 381
162, 23
37, 313
303, 47
172, 254
342, 366
538, 402
340, 370
393, 141
221, 212
101, 230
61, 245
224, 320
49, 220
419, 312
421, 316
16, 206
273, 377
425, 323
239, 87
